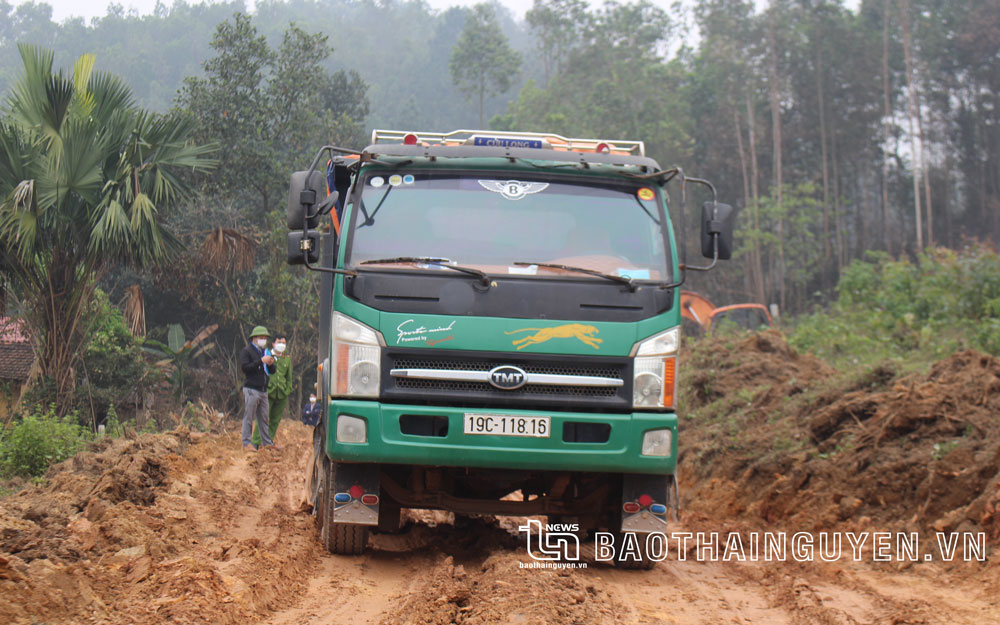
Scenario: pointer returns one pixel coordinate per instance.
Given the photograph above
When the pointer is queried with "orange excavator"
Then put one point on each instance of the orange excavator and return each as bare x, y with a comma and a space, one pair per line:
702, 315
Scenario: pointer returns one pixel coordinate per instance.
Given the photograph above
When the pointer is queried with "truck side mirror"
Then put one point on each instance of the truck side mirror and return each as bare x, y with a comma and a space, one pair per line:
717, 219
299, 242
305, 192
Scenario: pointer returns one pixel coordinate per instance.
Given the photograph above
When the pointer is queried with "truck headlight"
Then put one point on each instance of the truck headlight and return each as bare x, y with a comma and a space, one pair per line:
357, 357
352, 429
657, 443
655, 361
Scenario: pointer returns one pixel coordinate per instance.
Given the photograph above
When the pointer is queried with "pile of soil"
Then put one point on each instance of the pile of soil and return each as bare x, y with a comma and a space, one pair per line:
778, 437
499, 591
180, 527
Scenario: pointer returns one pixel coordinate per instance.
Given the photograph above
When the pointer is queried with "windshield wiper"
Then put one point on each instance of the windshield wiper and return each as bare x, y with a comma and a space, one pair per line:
484, 279
591, 272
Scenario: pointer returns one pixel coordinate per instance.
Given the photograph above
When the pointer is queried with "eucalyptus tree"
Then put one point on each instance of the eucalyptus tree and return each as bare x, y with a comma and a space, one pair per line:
85, 178
482, 62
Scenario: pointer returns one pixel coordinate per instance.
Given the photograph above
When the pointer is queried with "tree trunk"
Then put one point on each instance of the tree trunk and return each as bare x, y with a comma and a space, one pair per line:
911, 104
60, 309
755, 200
822, 144
886, 119
482, 96
776, 140
837, 212
756, 279
861, 232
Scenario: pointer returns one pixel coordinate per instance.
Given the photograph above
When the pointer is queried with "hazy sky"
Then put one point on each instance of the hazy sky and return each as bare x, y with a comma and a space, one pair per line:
61, 9
87, 9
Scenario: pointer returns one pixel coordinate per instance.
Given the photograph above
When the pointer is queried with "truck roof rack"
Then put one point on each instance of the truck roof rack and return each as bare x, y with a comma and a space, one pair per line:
502, 138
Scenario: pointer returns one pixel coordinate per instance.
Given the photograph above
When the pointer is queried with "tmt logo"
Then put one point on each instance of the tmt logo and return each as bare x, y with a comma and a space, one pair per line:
508, 377
556, 541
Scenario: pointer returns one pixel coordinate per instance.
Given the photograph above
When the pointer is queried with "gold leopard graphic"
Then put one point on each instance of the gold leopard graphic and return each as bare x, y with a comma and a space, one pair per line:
578, 330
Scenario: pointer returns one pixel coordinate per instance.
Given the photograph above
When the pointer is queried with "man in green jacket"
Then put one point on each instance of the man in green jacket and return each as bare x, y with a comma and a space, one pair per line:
279, 386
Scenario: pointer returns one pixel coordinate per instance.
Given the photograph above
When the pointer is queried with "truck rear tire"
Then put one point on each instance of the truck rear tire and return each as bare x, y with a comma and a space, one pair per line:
389, 516
644, 563
339, 538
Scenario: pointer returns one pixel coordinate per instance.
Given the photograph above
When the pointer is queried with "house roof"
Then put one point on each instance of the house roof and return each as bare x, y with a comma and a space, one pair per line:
15, 361
12, 331
16, 355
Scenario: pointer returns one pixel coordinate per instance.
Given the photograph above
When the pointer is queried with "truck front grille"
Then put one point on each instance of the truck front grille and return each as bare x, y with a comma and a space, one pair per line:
565, 396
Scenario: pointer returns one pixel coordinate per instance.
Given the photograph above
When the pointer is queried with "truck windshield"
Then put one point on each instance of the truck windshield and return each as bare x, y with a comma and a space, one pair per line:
491, 222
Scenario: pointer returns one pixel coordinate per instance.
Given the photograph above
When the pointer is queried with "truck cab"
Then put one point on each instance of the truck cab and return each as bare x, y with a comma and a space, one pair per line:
499, 330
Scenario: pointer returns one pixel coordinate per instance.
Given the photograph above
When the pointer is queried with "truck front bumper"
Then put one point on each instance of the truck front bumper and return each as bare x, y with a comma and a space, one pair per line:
385, 442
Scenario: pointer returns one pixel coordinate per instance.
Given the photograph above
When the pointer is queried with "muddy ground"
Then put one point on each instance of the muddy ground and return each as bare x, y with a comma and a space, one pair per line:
185, 527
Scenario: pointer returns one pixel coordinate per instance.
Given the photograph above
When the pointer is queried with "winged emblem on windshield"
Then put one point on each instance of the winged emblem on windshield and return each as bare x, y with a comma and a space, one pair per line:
513, 189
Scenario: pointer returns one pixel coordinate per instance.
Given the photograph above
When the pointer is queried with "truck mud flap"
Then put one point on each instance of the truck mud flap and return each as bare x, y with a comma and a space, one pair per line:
646, 502
356, 494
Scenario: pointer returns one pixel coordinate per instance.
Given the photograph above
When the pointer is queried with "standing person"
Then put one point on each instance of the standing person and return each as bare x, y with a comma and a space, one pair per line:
254, 362
279, 386
311, 412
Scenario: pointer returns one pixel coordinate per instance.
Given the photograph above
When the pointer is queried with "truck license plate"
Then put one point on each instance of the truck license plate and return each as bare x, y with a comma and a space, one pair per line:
506, 425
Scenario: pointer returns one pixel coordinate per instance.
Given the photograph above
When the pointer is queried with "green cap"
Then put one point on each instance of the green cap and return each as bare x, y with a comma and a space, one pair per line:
260, 331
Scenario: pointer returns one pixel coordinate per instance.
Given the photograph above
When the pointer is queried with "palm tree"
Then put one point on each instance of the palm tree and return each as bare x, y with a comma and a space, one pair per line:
84, 177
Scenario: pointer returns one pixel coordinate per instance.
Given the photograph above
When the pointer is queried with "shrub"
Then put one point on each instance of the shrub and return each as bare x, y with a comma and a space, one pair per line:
113, 365
38, 441
921, 311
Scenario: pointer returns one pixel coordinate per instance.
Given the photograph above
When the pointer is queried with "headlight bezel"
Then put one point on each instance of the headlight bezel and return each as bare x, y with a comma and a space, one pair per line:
654, 362
356, 350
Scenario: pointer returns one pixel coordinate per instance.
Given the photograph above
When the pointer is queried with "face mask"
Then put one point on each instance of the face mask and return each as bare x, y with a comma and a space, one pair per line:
261, 343
279, 348
312, 400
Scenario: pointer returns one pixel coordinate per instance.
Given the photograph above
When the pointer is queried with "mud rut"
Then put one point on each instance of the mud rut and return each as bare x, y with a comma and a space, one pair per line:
229, 539
439, 573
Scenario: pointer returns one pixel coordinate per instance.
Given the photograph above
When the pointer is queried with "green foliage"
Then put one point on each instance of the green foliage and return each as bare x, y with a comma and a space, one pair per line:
178, 352
38, 441
605, 77
270, 108
85, 177
920, 311
112, 367
482, 62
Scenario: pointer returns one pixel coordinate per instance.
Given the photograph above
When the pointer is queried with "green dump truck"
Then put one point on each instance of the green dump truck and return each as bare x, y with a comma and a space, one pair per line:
499, 329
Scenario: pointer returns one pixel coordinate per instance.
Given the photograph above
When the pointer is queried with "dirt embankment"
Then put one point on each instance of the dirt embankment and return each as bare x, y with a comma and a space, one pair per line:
778, 437
179, 527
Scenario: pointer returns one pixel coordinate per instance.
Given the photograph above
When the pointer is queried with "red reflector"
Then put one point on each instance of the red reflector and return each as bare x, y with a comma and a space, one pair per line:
631, 507
645, 501
356, 491
603, 148
410, 139
369, 500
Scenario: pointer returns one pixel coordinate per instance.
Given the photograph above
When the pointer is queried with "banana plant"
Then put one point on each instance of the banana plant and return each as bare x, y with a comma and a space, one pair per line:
177, 353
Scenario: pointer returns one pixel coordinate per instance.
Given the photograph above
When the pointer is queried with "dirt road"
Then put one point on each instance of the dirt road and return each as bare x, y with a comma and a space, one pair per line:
187, 528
